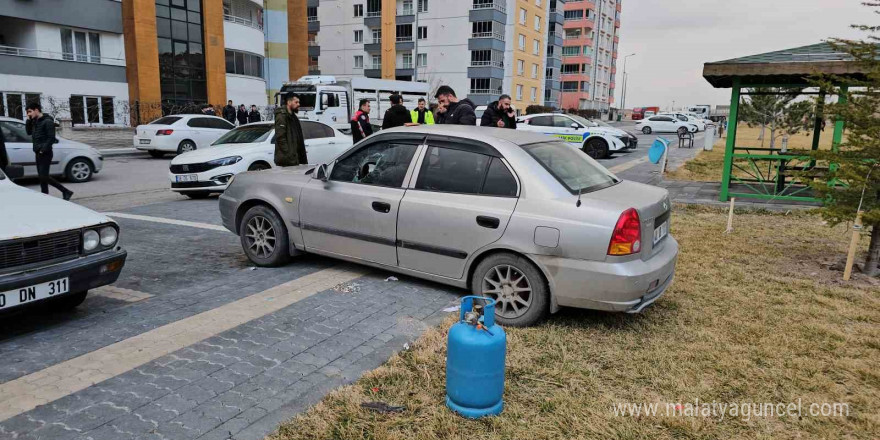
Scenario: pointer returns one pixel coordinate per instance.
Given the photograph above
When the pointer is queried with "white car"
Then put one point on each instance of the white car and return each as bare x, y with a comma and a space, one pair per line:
597, 141
75, 161
51, 251
691, 119
179, 133
664, 124
249, 147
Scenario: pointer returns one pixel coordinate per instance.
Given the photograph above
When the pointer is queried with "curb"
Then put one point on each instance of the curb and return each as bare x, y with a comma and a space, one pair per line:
122, 152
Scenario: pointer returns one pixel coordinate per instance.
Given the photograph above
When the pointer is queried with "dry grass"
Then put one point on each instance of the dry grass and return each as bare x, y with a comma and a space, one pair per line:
707, 166
754, 316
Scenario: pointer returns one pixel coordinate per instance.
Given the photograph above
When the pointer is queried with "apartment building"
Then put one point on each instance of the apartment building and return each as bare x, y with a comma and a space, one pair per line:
589, 54
553, 64
68, 55
481, 48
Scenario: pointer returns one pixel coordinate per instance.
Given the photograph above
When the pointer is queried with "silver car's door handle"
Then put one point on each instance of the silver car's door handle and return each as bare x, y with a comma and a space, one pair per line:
488, 222
382, 207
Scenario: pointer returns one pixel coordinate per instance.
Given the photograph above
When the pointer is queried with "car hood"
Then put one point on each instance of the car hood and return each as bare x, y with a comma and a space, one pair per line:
607, 130
39, 214
210, 153
67, 143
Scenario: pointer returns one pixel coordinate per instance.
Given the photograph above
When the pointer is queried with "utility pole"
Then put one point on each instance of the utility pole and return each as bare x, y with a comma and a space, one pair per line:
623, 98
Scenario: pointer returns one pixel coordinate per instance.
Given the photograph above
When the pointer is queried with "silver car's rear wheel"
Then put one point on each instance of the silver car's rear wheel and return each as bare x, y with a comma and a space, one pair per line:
510, 288
263, 237
517, 285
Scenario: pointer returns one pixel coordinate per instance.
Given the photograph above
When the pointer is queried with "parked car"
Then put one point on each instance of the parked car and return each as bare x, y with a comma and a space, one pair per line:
598, 142
690, 119
511, 215
52, 251
250, 147
664, 124
74, 161
179, 133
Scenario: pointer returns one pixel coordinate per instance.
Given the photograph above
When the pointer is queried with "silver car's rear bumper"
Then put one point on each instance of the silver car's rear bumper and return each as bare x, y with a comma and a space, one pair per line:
612, 286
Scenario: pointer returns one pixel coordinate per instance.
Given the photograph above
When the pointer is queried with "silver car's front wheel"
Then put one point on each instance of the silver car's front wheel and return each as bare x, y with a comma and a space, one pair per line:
517, 285
263, 237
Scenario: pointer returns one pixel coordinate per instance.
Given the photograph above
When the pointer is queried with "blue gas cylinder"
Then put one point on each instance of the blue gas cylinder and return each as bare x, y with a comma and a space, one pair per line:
476, 348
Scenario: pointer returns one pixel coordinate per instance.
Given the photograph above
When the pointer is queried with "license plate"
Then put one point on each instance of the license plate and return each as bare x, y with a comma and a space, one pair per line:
34, 293
661, 231
187, 178
144, 141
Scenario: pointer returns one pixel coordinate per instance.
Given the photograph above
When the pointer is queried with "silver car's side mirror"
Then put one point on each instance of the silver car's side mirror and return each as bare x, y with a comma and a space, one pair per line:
321, 173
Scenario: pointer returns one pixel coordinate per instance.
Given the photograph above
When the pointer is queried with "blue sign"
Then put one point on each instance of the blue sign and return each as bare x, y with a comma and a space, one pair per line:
655, 153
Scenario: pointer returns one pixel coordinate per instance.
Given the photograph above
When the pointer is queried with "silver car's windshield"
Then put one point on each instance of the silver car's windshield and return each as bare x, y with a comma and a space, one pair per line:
246, 135
576, 171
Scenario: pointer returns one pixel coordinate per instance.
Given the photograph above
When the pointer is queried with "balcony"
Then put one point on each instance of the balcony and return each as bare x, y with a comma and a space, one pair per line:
488, 12
490, 5
496, 35
313, 19
487, 41
47, 55
486, 69
374, 14
375, 46
245, 21
314, 50
405, 43
373, 19
314, 24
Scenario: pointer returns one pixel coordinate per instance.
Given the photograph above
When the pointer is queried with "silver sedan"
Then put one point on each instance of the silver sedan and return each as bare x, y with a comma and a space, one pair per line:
517, 216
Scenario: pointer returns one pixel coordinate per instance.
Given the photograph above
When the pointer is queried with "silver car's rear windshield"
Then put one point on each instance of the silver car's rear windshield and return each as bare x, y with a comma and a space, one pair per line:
576, 171
245, 135
167, 120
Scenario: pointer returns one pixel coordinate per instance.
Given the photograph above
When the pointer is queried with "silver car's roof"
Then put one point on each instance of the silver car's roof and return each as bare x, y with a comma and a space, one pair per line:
486, 135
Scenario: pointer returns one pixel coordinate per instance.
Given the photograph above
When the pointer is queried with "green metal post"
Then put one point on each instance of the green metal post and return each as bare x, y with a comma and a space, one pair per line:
732, 121
838, 124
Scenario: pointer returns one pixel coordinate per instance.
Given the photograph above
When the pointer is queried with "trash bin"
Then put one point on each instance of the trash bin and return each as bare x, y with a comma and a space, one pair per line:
619, 117
709, 139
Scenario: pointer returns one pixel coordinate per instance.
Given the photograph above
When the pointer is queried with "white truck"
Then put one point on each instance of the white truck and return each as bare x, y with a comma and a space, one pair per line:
334, 102
700, 111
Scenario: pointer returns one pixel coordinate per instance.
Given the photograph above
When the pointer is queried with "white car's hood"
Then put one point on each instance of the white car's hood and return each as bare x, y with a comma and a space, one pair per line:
28, 213
218, 152
607, 130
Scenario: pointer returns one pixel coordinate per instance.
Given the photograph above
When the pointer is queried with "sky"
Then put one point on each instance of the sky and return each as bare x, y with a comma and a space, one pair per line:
673, 38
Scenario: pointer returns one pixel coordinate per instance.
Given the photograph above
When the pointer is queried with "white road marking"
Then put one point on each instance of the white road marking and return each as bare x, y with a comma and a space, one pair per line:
167, 221
120, 294
28, 392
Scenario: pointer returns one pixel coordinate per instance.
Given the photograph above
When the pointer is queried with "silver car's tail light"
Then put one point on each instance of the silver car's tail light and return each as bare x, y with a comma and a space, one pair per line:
627, 236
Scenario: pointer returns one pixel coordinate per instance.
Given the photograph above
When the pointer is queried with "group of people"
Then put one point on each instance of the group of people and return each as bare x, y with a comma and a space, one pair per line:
242, 115
450, 111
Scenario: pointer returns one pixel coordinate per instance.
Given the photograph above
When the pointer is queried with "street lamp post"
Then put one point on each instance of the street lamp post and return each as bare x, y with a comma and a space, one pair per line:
623, 98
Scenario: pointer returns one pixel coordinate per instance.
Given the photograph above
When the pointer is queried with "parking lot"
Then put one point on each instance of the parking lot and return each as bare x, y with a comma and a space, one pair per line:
193, 342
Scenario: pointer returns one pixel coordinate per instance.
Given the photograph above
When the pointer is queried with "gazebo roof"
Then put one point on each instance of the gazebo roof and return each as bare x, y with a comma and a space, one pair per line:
783, 67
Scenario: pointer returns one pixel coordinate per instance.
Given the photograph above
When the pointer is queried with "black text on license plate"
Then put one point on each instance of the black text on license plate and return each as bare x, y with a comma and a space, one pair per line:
33, 293
661, 231
144, 141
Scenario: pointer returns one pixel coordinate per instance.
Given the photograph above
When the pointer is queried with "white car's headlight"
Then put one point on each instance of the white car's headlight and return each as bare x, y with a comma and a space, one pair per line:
222, 162
91, 240
108, 236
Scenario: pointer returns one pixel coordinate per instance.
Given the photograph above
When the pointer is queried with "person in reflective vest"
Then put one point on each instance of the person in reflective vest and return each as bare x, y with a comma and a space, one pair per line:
421, 114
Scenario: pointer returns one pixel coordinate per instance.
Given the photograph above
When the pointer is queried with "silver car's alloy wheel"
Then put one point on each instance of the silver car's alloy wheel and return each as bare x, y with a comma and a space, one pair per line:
510, 288
80, 171
260, 237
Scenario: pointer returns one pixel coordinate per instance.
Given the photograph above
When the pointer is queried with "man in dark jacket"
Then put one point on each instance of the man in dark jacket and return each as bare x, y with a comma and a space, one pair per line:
42, 130
453, 111
242, 115
229, 112
360, 123
499, 114
397, 115
290, 148
4, 159
254, 115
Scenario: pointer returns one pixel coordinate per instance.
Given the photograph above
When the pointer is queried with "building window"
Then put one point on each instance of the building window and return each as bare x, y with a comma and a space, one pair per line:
243, 63
536, 47
534, 94
537, 23
522, 42
572, 33
181, 54
569, 86
422, 60
358, 61
80, 46
481, 86
534, 70
520, 67
404, 32
568, 69
92, 110
574, 15
407, 61
312, 13
571, 51
423, 6
359, 36
12, 104
377, 61
377, 36
407, 7
423, 32
522, 16
519, 92
358, 10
